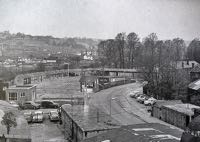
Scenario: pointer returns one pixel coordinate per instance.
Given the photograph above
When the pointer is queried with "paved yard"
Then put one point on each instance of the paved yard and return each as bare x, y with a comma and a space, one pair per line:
59, 88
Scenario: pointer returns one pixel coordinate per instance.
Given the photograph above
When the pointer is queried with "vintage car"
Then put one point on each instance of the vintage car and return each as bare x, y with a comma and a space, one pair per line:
37, 116
28, 116
53, 116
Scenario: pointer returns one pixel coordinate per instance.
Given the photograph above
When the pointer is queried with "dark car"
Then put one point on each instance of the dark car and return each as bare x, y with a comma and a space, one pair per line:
30, 105
54, 116
49, 104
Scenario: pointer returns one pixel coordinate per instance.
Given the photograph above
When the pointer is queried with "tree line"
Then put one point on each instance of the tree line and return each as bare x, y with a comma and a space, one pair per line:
157, 59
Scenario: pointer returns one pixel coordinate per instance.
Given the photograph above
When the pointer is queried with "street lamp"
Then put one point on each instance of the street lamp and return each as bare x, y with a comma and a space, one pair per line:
111, 104
67, 68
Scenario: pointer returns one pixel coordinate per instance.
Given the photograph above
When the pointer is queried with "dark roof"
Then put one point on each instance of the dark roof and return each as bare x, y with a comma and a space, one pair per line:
196, 68
195, 85
86, 118
88, 79
139, 133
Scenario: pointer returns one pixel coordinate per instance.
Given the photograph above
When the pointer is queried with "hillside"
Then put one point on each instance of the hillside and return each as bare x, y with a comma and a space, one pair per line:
21, 45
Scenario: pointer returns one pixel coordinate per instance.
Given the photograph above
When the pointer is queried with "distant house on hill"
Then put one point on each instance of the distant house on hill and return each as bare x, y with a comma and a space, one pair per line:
186, 64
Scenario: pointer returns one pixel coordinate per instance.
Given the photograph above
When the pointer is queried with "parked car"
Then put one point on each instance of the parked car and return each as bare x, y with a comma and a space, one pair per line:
14, 104
28, 116
37, 116
54, 116
132, 94
49, 104
30, 105
137, 95
142, 98
150, 101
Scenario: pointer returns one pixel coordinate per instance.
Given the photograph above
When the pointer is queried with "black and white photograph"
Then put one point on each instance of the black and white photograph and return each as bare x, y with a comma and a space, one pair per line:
99, 70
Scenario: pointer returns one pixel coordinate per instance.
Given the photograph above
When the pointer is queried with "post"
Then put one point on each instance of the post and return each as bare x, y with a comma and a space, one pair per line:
68, 69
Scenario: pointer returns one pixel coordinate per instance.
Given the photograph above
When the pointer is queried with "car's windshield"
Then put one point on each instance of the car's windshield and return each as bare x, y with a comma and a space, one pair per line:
54, 113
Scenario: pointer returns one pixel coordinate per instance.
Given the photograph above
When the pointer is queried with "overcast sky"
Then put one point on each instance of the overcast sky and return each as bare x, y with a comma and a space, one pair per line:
102, 18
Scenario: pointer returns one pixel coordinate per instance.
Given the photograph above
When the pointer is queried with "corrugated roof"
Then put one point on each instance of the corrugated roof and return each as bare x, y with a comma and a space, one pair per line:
195, 85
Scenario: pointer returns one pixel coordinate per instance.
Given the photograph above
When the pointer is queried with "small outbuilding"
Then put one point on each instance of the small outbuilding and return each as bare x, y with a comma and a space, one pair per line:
20, 94
179, 115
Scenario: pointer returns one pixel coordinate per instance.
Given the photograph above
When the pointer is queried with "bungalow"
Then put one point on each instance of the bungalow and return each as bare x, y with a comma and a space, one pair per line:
20, 94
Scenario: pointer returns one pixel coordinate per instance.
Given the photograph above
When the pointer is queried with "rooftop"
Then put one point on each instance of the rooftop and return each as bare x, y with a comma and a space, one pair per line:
147, 132
87, 119
21, 87
183, 108
160, 103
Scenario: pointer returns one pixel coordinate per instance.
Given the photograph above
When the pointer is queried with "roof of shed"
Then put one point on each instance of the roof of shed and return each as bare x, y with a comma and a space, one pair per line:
160, 103
86, 118
183, 108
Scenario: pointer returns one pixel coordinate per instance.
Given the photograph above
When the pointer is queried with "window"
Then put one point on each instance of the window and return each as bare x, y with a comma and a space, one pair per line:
22, 94
13, 96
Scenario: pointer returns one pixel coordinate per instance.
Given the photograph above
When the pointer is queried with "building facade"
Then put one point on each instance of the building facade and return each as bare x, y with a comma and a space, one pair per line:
21, 94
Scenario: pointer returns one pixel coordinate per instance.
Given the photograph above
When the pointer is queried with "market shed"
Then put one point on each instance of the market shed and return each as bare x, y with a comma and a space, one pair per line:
179, 114
158, 106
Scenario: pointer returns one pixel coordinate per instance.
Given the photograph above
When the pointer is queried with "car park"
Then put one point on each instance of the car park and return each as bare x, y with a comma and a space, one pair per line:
150, 101
53, 116
49, 104
28, 116
30, 105
37, 116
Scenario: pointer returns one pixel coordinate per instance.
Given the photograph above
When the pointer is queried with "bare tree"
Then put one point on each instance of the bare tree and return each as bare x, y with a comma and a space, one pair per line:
9, 121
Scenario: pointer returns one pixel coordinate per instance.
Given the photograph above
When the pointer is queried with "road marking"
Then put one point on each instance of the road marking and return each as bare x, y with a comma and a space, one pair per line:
146, 129
163, 137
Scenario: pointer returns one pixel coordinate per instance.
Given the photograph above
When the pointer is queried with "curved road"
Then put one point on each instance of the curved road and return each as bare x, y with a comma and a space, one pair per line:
115, 101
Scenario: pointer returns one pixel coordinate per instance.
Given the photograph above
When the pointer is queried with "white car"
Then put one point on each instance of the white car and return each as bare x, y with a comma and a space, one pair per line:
37, 116
150, 101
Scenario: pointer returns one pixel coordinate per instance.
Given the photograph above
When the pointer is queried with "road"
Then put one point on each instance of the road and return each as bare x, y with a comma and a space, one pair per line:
113, 100
123, 108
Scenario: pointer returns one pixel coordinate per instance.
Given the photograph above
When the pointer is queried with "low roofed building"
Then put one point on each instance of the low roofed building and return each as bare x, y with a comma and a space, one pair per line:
81, 122
20, 94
